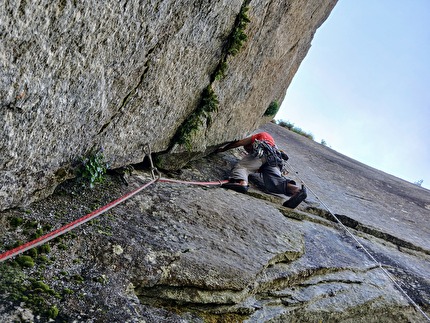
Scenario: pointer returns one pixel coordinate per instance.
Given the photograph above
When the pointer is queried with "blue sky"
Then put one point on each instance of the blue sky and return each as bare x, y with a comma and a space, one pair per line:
364, 86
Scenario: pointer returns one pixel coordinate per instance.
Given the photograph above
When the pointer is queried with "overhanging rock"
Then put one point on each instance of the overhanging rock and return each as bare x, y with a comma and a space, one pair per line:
78, 77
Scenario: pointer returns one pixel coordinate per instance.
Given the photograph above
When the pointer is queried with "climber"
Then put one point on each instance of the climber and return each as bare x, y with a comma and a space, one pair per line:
264, 157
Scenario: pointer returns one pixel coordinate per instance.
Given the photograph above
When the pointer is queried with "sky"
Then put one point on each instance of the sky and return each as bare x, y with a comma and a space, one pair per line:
364, 86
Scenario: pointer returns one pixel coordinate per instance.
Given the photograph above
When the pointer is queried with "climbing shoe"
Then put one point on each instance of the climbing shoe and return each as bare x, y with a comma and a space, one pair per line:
235, 186
295, 200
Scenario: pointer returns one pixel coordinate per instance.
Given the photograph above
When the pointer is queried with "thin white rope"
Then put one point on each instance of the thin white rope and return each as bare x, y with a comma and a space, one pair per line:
362, 246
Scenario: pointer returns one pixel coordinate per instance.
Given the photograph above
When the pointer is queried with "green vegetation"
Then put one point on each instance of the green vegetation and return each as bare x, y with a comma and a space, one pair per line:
238, 36
39, 280
22, 279
272, 109
25, 261
62, 246
41, 287
30, 224
235, 41
18, 288
11, 280
209, 101
78, 279
32, 252
292, 127
16, 222
93, 168
67, 291
37, 234
220, 71
53, 312
45, 248
43, 259
102, 279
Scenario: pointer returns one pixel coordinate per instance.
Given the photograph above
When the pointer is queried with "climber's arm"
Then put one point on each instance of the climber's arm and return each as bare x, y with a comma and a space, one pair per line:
235, 144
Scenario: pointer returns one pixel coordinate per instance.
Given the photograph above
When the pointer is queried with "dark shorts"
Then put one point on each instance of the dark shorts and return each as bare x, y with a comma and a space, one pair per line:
274, 181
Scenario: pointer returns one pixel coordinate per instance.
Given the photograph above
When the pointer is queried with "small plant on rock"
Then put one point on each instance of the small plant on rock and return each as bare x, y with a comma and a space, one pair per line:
238, 36
221, 71
235, 41
209, 103
290, 126
209, 100
93, 168
286, 124
272, 109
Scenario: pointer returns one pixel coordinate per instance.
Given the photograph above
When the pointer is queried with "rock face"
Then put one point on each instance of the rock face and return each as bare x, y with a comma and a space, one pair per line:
184, 253
77, 77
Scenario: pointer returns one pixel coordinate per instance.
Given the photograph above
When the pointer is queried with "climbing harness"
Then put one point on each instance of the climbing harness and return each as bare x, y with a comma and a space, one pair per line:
156, 177
360, 245
274, 156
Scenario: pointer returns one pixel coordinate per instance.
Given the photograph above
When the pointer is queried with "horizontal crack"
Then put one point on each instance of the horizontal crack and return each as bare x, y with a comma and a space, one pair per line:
359, 197
354, 224
347, 221
189, 295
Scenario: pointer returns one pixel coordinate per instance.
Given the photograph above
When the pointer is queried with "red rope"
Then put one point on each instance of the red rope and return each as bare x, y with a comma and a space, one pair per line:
168, 180
66, 228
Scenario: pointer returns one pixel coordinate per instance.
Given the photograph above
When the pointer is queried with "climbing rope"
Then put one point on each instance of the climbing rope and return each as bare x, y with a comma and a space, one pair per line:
72, 225
362, 246
169, 180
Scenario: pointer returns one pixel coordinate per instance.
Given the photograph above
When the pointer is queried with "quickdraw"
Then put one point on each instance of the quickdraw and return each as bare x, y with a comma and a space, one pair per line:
74, 224
274, 156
